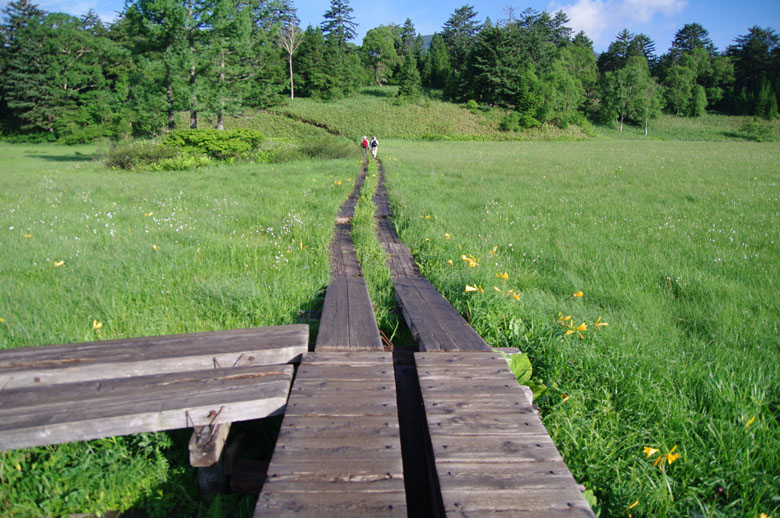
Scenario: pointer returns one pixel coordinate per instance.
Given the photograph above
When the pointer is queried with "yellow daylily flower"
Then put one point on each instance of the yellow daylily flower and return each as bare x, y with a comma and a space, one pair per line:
427, 216
96, 325
27, 235
471, 288
504, 275
154, 246
450, 261
58, 263
636, 503
577, 294
337, 182
582, 327
564, 398
497, 289
671, 456
598, 325
516, 296
1, 320
494, 250
563, 319
447, 235
569, 331
649, 451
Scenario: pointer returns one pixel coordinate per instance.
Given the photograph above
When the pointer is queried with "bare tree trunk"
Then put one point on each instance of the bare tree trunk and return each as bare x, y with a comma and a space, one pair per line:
621, 123
171, 114
292, 90
193, 110
645, 126
221, 114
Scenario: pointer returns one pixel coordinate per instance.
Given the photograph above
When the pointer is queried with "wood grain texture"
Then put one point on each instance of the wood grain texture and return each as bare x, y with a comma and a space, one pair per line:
35, 416
52, 364
492, 452
348, 322
433, 322
338, 451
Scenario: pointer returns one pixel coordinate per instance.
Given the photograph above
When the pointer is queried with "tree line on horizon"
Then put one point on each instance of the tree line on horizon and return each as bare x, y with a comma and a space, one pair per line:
77, 79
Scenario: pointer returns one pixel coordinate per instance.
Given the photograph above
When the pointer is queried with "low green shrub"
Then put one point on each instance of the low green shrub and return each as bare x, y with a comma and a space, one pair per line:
182, 163
217, 144
758, 130
139, 153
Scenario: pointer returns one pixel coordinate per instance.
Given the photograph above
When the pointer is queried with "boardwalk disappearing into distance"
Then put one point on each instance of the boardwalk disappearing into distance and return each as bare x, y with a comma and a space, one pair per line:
447, 431
442, 431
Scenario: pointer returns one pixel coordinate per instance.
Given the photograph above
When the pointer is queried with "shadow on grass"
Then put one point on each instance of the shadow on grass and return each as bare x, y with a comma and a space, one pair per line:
78, 157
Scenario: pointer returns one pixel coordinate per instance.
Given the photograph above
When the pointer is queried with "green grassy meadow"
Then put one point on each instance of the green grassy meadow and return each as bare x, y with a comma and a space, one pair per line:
674, 342
146, 254
672, 241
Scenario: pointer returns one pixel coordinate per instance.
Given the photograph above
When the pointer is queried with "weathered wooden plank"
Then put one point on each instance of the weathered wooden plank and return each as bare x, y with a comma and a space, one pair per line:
536, 502
338, 451
348, 321
438, 326
34, 416
51, 364
492, 453
345, 504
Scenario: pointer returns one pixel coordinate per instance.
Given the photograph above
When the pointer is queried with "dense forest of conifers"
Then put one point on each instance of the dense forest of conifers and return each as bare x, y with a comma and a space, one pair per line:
77, 79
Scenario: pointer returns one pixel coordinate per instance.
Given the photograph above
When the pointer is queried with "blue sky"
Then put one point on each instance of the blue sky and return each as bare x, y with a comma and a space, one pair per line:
600, 19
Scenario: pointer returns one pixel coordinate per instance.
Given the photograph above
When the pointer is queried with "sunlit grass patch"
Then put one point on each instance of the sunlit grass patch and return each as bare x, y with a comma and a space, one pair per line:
94, 254
675, 247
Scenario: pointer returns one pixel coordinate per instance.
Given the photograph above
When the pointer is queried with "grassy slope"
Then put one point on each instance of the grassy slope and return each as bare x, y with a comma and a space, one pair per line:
374, 112
235, 247
675, 246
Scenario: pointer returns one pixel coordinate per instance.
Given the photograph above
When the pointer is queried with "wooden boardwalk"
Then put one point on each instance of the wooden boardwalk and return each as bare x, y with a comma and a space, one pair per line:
442, 432
339, 450
433, 322
491, 451
348, 322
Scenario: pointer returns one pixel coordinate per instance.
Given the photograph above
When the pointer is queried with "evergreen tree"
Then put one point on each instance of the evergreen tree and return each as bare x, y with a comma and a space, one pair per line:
458, 34
409, 86
691, 36
407, 38
339, 24
756, 58
492, 73
437, 65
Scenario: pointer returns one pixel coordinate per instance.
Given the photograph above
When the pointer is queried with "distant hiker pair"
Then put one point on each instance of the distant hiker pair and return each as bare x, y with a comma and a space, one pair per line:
374, 144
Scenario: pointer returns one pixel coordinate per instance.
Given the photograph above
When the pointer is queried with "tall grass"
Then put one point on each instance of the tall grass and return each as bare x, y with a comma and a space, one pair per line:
675, 247
713, 127
147, 254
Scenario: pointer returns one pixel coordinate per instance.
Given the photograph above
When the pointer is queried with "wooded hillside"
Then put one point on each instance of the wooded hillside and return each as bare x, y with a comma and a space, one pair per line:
76, 79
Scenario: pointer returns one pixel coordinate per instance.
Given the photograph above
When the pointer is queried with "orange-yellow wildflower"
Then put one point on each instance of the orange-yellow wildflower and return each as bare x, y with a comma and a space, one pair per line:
577, 294
154, 246
582, 327
96, 325
504, 275
649, 451
599, 324
636, 503
58, 263
471, 288
450, 261
446, 235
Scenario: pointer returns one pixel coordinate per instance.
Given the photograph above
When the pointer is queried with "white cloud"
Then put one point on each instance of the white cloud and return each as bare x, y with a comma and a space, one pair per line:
602, 19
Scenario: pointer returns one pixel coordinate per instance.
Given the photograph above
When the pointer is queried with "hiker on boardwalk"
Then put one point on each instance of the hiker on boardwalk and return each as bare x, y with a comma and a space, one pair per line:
364, 145
374, 146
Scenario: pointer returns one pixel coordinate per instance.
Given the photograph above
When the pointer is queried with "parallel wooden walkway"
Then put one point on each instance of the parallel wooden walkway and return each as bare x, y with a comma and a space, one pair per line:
339, 450
433, 322
492, 453
348, 322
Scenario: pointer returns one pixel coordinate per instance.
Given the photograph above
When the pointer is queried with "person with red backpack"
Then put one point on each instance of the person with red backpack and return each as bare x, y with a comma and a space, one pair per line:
364, 145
